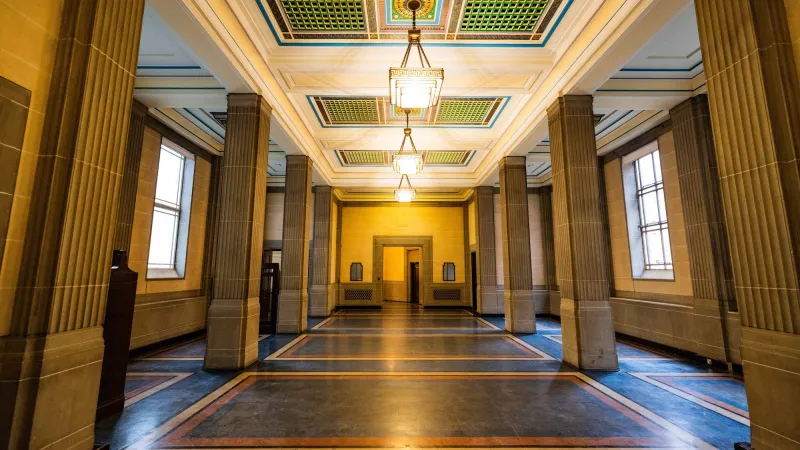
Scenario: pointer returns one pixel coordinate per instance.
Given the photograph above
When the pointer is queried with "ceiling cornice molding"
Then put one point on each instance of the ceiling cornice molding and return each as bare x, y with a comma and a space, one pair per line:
615, 25
223, 27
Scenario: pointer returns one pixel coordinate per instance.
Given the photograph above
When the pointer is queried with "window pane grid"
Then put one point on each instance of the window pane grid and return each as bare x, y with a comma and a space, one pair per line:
166, 210
652, 212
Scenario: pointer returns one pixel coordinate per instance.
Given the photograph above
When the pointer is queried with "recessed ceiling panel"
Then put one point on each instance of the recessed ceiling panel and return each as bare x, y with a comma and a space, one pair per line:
502, 16
314, 15
531, 21
378, 112
377, 158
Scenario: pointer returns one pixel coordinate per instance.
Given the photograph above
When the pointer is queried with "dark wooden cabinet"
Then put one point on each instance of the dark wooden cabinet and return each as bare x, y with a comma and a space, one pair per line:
117, 336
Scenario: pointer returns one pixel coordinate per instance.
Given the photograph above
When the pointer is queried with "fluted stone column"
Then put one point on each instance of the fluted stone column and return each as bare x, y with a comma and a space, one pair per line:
587, 321
323, 291
130, 177
754, 98
704, 221
234, 311
293, 299
210, 260
519, 301
51, 358
488, 302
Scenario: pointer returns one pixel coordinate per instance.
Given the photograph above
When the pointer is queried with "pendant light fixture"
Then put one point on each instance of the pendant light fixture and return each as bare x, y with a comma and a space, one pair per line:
415, 87
408, 163
404, 195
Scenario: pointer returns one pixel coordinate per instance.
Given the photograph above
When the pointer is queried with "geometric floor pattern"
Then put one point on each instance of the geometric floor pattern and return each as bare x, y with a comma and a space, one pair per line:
404, 377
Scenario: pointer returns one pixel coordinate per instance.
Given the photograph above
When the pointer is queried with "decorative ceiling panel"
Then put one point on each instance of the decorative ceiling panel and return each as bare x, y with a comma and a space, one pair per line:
371, 112
336, 15
530, 21
377, 158
502, 16
466, 110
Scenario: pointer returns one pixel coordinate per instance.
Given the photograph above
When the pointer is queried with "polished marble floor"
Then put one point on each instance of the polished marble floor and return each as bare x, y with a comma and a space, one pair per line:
408, 377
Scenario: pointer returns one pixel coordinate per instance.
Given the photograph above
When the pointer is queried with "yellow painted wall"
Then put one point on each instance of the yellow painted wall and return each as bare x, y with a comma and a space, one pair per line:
394, 263
361, 224
620, 247
471, 218
28, 35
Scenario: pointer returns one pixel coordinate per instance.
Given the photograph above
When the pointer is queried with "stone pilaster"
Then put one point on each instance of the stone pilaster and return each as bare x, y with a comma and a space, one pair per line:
130, 177
293, 299
234, 311
548, 239
486, 257
210, 260
704, 221
322, 293
50, 360
754, 99
519, 300
586, 316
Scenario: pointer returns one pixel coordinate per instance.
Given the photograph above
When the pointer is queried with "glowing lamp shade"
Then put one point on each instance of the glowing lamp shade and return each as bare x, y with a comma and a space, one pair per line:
404, 195
415, 88
407, 163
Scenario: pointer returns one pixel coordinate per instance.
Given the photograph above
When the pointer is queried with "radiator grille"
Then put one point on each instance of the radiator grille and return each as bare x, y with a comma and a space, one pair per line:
447, 294
358, 294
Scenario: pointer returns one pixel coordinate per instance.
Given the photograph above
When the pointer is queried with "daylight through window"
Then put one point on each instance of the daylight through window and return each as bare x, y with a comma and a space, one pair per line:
652, 212
167, 210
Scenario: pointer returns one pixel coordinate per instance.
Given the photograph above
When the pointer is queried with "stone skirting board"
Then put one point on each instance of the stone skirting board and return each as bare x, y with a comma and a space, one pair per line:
355, 294
395, 291
668, 324
161, 316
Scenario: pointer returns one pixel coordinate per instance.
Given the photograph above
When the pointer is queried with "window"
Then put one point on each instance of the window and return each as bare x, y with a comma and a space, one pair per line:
652, 212
356, 272
449, 271
170, 227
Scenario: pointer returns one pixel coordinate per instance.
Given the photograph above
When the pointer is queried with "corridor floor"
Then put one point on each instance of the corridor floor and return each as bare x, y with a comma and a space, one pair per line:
407, 377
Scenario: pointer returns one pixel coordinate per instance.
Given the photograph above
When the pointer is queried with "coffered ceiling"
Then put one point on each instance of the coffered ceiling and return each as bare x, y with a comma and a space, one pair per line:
323, 66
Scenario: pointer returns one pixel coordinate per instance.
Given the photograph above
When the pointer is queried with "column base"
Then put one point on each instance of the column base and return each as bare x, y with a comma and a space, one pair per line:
292, 312
520, 310
318, 301
487, 300
588, 340
232, 333
771, 362
709, 334
49, 385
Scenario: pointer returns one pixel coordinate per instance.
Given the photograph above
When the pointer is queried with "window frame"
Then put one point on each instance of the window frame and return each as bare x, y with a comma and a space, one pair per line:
181, 212
445, 274
359, 271
636, 221
661, 226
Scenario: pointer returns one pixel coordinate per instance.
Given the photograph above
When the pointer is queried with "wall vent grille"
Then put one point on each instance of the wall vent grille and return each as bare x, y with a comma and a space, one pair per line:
447, 294
358, 294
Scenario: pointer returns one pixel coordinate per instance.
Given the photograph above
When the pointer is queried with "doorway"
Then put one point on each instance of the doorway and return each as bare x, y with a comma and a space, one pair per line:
413, 275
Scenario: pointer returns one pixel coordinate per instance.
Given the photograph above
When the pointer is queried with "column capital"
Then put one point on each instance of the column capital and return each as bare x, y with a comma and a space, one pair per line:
248, 101
568, 102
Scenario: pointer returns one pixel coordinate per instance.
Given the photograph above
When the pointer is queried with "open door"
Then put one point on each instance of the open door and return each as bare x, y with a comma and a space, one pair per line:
268, 296
414, 280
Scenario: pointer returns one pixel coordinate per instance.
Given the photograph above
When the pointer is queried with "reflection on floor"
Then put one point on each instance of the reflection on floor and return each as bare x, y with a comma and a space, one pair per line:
408, 377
